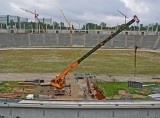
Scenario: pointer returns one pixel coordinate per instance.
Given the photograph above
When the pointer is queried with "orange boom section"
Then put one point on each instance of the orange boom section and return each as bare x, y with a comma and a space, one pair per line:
59, 81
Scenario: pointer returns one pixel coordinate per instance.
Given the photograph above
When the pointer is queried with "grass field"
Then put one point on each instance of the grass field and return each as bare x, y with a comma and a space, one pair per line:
112, 88
56, 60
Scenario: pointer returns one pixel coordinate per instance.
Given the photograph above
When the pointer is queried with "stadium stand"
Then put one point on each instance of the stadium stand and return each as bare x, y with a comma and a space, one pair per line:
133, 40
78, 40
6, 40
91, 40
148, 41
101, 37
64, 40
36, 40
119, 41
21, 40
51, 39
157, 44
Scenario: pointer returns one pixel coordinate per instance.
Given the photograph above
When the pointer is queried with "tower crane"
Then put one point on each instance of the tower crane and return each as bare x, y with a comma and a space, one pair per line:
125, 16
36, 18
70, 27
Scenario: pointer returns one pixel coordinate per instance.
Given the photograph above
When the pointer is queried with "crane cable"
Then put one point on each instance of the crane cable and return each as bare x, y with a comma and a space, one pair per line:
135, 48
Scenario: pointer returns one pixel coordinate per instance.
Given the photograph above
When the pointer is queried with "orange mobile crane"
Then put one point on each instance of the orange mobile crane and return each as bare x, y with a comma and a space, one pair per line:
59, 81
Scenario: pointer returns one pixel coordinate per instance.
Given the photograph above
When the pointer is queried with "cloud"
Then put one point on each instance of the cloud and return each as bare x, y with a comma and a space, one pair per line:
36, 4
137, 6
146, 10
15, 7
83, 11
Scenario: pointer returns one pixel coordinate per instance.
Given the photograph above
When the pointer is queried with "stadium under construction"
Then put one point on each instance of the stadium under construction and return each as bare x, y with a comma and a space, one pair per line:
78, 108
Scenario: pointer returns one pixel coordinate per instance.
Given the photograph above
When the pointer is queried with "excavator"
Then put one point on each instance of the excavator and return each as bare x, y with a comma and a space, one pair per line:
59, 81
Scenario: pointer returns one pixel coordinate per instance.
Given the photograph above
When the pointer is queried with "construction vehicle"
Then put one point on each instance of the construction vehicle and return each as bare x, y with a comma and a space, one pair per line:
59, 81
70, 27
36, 20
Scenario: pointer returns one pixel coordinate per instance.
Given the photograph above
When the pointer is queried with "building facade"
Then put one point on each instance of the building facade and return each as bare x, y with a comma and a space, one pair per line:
4, 19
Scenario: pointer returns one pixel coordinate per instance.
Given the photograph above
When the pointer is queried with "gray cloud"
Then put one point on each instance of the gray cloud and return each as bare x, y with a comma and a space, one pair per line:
84, 11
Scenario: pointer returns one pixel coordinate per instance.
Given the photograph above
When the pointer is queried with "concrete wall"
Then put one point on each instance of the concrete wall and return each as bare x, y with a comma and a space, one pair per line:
123, 40
81, 110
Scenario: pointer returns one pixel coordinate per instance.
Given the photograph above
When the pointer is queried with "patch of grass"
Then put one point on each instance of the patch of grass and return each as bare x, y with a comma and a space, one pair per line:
112, 88
8, 86
57, 59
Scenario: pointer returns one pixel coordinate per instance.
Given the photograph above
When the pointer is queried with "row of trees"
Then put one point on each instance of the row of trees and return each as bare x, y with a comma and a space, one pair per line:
87, 26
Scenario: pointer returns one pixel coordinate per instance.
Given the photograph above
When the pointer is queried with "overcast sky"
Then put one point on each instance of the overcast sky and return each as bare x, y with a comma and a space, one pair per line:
84, 11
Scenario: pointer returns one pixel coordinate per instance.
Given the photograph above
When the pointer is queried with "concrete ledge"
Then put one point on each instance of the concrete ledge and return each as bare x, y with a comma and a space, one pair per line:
82, 104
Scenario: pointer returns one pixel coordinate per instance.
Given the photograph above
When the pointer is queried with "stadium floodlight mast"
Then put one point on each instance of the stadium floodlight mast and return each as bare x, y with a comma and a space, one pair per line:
125, 16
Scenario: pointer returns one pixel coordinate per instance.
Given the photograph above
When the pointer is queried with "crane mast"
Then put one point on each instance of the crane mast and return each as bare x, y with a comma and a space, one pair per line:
35, 17
59, 81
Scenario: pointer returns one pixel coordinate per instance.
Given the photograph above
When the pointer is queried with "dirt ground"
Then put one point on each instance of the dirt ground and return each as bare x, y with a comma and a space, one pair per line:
49, 76
77, 87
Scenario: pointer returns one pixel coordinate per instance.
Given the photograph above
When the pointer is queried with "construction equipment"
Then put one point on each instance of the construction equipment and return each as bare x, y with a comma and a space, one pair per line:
125, 16
59, 81
36, 19
79, 26
70, 27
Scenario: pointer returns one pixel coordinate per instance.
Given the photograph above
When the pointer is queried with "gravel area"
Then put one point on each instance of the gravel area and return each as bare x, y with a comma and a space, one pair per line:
49, 76
77, 87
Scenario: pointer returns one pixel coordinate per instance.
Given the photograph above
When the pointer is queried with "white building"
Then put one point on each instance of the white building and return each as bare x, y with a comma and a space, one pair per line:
47, 21
3, 19
23, 20
14, 19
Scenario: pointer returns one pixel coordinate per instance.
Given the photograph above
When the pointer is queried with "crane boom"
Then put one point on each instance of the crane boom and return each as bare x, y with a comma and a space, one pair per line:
125, 16
70, 27
59, 81
30, 11
36, 18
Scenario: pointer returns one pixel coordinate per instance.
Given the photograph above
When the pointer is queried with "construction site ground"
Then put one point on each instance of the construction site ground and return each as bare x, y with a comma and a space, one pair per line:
49, 76
77, 87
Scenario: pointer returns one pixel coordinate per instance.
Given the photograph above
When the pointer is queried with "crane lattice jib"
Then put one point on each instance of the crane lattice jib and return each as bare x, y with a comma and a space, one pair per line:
70, 27
59, 81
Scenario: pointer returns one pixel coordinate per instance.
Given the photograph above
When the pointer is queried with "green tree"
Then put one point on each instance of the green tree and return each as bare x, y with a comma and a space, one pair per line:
103, 25
62, 25
90, 26
56, 25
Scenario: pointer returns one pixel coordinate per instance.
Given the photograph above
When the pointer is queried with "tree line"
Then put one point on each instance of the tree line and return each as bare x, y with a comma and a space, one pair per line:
87, 26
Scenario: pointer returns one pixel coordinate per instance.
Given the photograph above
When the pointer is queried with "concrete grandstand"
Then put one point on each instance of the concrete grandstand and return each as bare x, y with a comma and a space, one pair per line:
126, 39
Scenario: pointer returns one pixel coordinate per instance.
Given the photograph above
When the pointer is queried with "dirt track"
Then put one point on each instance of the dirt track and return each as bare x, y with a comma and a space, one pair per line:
49, 76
